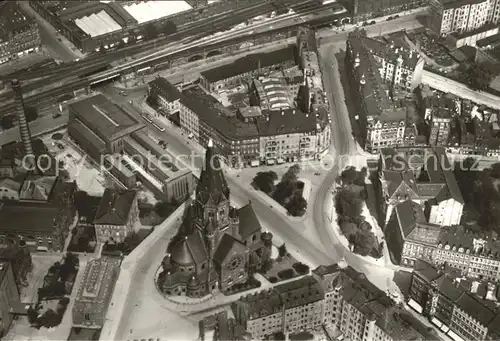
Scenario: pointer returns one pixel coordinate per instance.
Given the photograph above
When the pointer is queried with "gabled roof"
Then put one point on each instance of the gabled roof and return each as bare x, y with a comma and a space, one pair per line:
227, 245
409, 214
249, 223
115, 207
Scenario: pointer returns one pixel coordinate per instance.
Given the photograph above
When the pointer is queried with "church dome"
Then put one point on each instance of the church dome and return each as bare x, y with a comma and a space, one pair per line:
181, 254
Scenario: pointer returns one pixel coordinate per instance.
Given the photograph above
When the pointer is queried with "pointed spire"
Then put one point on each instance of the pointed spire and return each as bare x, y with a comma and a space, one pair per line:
210, 143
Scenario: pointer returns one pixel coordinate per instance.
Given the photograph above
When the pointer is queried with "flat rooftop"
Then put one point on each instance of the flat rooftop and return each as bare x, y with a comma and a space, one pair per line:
97, 24
145, 11
105, 118
98, 282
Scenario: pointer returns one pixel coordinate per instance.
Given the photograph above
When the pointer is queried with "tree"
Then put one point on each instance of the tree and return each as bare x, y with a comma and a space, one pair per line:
169, 28
364, 243
479, 77
283, 191
291, 174
7, 122
131, 241
150, 31
31, 114
348, 228
297, 206
349, 203
282, 251
264, 181
163, 209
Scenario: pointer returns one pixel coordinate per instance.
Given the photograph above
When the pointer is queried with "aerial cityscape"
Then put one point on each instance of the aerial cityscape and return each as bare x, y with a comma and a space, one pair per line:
213, 170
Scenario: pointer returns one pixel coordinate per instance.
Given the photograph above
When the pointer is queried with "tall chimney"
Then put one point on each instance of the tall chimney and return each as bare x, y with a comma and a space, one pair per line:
24, 128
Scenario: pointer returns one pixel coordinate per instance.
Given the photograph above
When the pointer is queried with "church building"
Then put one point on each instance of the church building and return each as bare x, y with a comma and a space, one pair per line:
217, 246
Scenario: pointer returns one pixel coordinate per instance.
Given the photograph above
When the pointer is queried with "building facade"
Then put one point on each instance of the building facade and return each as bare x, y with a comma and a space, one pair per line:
217, 246
95, 292
9, 296
330, 296
462, 16
376, 70
19, 35
422, 175
456, 312
116, 216
281, 122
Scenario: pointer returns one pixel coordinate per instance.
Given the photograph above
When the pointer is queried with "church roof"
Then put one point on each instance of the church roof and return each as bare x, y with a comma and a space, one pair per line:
226, 245
249, 223
212, 181
189, 250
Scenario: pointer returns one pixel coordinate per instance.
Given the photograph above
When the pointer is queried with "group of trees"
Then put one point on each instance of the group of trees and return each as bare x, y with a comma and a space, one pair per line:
480, 76
349, 204
152, 31
50, 318
130, 242
288, 192
60, 278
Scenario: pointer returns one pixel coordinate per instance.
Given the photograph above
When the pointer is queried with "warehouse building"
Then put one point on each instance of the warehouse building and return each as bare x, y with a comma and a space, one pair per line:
91, 25
110, 135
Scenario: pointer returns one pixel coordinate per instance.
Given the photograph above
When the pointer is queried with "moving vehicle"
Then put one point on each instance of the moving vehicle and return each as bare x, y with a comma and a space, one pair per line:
157, 127
147, 117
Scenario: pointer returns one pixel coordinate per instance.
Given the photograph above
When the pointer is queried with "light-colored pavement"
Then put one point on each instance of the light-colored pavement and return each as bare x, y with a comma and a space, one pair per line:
444, 84
56, 44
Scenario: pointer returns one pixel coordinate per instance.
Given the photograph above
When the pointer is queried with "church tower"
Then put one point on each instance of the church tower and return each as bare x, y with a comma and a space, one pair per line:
212, 200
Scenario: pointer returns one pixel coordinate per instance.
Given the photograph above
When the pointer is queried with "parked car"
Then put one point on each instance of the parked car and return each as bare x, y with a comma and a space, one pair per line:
123, 93
373, 22
56, 115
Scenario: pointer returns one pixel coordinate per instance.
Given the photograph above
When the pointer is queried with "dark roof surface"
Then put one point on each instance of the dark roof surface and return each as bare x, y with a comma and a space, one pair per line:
249, 223
115, 207
27, 216
250, 63
227, 244
106, 119
13, 20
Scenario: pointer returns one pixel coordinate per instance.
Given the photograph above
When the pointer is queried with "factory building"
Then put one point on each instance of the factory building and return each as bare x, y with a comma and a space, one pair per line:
111, 136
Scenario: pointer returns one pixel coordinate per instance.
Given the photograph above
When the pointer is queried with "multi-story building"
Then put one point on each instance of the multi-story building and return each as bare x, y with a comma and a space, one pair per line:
422, 175
250, 135
20, 260
217, 245
460, 314
95, 292
375, 73
289, 307
286, 115
438, 113
19, 34
9, 296
410, 237
332, 296
99, 126
116, 216
448, 16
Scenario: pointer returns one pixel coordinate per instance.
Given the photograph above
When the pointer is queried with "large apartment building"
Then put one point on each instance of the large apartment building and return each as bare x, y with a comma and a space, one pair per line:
19, 34
449, 16
377, 70
444, 298
331, 296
